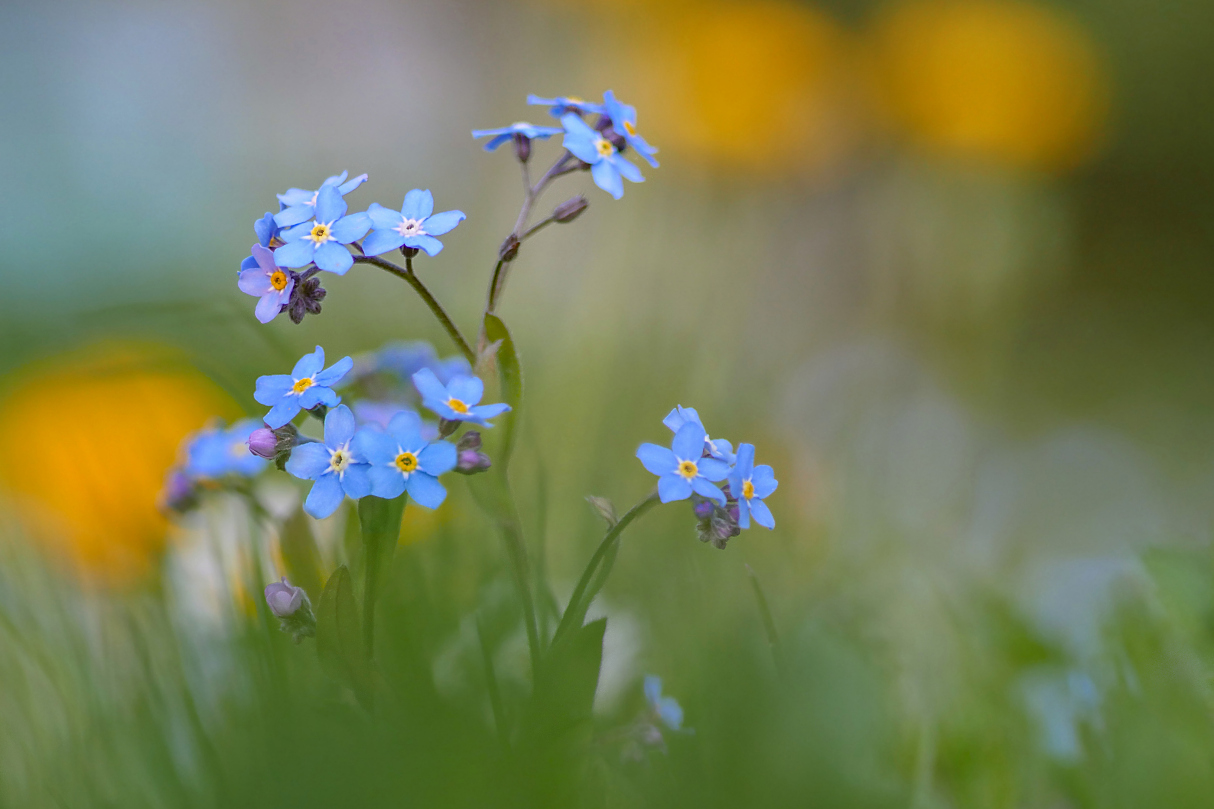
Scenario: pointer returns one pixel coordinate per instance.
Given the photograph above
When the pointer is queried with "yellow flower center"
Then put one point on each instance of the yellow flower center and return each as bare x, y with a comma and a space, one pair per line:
278, 280
575, 100
632, 130
339, 460
320, 233
457, 406
604, 146
688, 469
748, 489
406, 462
302, 384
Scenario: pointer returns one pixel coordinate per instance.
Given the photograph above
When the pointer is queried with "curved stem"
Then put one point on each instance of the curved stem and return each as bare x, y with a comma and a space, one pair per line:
406, 273
577, 609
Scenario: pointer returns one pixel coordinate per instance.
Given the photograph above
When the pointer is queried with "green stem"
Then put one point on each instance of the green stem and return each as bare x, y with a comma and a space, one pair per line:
579, 602
517, 552
769, 624
495, 694
406, 273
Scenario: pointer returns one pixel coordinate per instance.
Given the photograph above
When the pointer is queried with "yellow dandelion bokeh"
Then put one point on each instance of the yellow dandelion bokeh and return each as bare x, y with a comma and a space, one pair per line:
95, 433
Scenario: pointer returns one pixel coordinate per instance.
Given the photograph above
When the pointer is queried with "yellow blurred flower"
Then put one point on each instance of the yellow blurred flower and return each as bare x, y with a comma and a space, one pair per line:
1013, 82
90, 437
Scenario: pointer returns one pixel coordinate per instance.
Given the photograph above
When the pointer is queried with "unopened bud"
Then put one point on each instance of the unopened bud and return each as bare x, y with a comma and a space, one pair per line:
522, 147
704, 509
262, 442
293, 609
179, 493
570, 209
605, 509
469, 459
509, 248
445, 427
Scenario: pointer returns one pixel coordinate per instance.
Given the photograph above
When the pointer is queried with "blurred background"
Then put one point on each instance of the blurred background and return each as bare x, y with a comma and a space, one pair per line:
947, 263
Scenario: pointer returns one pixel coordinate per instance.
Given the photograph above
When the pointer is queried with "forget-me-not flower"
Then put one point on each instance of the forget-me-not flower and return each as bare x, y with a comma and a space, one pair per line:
407, 358
336, 466
267, 281
403, 460
507, 133
562, 105
718, 448
303, 389
458, 399
299, 205
217, 452
414, 225
624, 121
682, 469
750, 485
666, 708
323, 239
267, 231
607, 166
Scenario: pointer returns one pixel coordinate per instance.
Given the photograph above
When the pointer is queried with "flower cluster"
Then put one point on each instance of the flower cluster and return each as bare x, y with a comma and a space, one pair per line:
210, 458
695, 465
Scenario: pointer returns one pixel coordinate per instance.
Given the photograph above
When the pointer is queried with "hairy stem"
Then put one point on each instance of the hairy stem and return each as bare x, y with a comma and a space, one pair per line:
406, 273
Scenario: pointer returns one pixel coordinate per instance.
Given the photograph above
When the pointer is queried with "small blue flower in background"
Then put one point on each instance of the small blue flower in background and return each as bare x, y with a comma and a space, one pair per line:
299, 205
214, 453
607, 166
506, 133
666, 708
403, 460
624, 121
457, 400
337, 468
563, 105
718, 448
267, 231
414, 225
750, 485
268, 281
407, 358
380, 413
306, 387
323, 240
682, 469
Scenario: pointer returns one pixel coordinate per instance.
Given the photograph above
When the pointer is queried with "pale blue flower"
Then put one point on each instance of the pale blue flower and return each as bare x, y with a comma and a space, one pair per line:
336, 466
303, 389
403, 460
665, 708
458, 399
300, 205
683, 468
323, 240
562, 105
750, 485
624, 121
414, 225
267, 281
214, 453
718, 448
506, 133
607, 166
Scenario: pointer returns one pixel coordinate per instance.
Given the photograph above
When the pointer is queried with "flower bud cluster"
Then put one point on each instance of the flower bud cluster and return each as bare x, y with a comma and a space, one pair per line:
293, 609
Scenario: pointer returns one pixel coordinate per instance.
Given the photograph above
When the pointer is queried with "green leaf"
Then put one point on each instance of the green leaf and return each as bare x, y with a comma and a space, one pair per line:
563, 700
339, 634
299, 554
510, 373
380, 523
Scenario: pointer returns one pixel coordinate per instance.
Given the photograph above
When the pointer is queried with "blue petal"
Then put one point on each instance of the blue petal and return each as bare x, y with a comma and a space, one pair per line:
489, 411
743, 511
336, 179
308, 461
431, 245
281, 413
248, 263
374, 446
437, 459
762, 514
383, 218
271, 303
334, 373
356, 480
325, 497
309, 364
439, 406
653, 689
294, 196
677, 417
296, 233
295, 254
425, 490
657, 460
265, 228
487, 133
712, 469
418, 204
351, 228
607, 177
496, 142
346, 188
333, 257
624, 167
254, 282
318, 395
671, 712
575, 126
745, 462
339, 426
405, 423
443, 222
673, 487
264, 258
271, 389
688, 444
582, 148
329, 205
705, 489
382, 241
428, 386
386, 482
468, 389
764, 480
294, 214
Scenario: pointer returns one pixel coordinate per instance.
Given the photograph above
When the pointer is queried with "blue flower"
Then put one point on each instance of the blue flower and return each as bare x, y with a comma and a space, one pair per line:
403, 460
507, 133
300, 205
407, 358
266, 280
267, 231
306, 387
562, 105
335, 465
322, 240
214, 453
607, 166
750, 485
682, 469
457, 400
624, 121
666, 708
414, 225
718, 448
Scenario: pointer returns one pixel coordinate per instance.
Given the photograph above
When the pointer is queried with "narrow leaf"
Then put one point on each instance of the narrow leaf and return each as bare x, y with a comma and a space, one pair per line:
510, 374
338, 633
604, 508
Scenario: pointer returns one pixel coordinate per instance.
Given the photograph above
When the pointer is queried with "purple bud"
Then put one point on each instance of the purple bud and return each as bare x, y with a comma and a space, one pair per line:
733, 512
471, 461
522, 147
570, 209
263, 442
284, 599
704, 509
179, 493
469, 440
